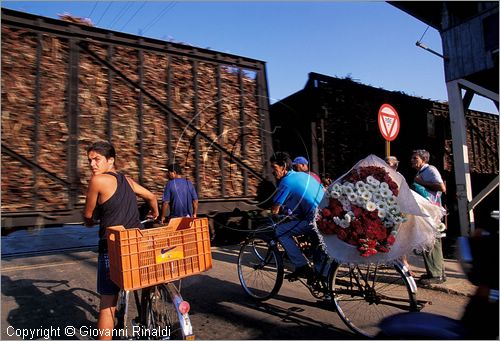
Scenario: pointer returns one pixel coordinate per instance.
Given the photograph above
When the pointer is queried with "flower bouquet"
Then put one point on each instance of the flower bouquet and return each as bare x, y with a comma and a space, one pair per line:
361, 217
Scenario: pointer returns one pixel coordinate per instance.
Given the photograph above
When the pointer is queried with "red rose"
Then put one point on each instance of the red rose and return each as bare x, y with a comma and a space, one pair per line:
326, 212
382, 248
391, 239
342, 234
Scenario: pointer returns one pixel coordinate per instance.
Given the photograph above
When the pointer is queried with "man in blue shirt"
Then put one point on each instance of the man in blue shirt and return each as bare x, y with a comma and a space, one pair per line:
298, 194
179, 195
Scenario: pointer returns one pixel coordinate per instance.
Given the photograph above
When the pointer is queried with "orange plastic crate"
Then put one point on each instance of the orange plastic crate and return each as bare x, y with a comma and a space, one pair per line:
141, 258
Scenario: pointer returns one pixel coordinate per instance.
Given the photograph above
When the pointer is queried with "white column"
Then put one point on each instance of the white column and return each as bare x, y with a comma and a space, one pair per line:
460, 157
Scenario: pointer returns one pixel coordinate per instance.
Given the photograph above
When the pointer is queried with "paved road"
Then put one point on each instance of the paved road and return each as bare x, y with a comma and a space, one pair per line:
58, 290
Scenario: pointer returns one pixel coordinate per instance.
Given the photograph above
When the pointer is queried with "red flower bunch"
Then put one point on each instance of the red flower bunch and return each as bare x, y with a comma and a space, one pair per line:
362, 212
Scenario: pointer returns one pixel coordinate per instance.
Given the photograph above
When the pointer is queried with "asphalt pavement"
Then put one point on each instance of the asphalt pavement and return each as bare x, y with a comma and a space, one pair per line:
78, 237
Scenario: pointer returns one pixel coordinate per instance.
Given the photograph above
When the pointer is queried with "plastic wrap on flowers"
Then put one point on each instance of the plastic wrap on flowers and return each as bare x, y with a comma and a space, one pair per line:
371, 215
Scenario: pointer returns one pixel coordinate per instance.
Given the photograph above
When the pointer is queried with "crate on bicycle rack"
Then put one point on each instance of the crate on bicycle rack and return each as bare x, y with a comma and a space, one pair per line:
141, 258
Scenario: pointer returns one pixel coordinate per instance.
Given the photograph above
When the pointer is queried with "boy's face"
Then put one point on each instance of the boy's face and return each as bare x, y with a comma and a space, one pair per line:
171, 175
99, 164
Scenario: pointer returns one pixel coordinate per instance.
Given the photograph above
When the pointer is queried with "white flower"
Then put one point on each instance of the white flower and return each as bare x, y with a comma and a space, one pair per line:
360, 185
391, 200
381, 205
370, 206
381, 213
376, 197
366, 195
393, 210
336, 188
441, 227
352, 197
347, 190
360, 202
384, 185
386, 193
371, 180
335, 194
346, 205
347, 218
348, 184
341, 222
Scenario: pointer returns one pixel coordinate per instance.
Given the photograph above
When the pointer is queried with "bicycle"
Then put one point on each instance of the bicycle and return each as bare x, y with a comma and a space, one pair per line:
152, 261
362, 295
162, 314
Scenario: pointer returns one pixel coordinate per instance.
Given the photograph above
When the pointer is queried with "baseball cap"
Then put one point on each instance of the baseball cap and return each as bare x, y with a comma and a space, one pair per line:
300, 160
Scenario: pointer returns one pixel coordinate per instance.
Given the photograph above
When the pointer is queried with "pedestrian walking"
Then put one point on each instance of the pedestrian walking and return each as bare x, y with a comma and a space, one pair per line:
179, 195
429, 183
111, 199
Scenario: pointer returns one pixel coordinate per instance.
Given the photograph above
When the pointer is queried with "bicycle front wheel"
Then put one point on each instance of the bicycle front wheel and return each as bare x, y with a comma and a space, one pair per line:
260, 268
367, 293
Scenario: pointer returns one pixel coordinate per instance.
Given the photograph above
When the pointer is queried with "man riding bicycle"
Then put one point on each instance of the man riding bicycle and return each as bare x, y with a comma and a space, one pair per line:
299, 195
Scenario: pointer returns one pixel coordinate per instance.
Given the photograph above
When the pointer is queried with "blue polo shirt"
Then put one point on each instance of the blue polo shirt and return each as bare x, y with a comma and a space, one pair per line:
299, 192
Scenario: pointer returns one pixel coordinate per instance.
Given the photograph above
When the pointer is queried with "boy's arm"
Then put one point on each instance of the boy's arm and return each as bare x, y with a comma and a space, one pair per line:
146, 195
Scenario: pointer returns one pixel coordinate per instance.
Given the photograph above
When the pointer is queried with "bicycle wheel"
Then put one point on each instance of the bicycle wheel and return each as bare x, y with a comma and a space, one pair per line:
367, 293
161, 318
260, 268
127, 316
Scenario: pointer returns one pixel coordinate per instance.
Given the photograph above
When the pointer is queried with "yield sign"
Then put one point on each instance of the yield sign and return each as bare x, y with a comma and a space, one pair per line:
388, 122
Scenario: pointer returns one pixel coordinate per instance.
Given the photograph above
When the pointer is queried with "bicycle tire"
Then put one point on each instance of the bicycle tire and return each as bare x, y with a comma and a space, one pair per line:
161, 315
120, 315
127, 317
260, 268
367, 293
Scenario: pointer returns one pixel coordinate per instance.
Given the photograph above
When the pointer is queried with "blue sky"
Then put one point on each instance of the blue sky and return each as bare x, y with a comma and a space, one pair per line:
370, 42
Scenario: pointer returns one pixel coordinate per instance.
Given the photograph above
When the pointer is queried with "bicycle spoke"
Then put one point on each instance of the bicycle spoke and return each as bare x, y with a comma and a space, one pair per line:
365, 294
260, 269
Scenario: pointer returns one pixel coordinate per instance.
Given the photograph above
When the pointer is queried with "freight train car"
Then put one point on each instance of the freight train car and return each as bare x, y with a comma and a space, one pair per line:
333, 122
66, 85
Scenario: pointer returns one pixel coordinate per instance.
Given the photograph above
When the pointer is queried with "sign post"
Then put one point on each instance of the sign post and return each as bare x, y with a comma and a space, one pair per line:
388, 123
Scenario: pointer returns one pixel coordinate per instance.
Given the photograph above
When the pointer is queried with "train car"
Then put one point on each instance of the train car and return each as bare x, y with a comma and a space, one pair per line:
333, 122
66, 84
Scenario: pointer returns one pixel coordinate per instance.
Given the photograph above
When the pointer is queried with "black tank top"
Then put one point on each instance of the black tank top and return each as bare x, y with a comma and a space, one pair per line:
120, 209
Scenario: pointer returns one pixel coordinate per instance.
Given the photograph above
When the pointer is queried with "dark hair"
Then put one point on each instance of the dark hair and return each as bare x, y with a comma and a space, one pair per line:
423, 154
174, 167
104, 148
282, 159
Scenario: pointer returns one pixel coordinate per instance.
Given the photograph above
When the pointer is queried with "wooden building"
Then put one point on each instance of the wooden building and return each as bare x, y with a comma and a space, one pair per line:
469, 33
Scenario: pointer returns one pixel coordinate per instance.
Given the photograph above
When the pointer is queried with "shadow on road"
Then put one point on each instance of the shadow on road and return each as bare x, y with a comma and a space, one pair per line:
216, 297
48, 304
